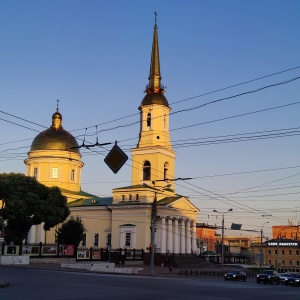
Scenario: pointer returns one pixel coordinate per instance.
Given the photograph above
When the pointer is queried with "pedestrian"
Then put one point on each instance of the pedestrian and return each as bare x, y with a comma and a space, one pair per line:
171, 269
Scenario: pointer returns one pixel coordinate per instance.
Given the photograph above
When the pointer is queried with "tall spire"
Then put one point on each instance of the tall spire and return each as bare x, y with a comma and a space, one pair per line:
154, 85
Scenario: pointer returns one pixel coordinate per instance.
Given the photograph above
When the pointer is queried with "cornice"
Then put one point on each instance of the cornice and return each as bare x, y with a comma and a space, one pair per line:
141, 149
53, 158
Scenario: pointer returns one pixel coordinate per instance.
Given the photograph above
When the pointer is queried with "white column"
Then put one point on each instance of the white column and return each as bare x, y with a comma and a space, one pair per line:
194, 241
182, 237
41, 233
170, 236
188, 237
176, 237
31, 235
163, 236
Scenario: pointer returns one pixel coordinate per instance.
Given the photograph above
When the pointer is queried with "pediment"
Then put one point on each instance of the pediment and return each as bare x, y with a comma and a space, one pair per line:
184, 204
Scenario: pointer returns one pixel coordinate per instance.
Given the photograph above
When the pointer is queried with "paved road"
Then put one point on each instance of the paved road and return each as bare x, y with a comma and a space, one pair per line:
51, 284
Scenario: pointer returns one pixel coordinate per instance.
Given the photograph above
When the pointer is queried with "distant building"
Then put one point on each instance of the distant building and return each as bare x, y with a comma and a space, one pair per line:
281, 252
239, 245
286, 231
206, 237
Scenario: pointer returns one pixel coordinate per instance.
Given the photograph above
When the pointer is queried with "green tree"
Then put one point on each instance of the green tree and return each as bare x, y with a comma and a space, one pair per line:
71, 232
26, 202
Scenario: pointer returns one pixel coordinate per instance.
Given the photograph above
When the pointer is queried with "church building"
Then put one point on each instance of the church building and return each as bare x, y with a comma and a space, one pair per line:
123, 220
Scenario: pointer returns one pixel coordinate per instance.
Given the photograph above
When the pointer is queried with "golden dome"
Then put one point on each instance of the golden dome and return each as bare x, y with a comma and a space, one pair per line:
155, 98
55, 137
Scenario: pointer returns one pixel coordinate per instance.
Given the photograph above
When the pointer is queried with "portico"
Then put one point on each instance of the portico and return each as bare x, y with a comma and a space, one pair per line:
175, 235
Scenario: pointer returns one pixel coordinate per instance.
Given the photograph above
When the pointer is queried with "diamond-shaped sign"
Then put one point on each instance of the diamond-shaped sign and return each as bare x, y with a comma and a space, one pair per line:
116, 158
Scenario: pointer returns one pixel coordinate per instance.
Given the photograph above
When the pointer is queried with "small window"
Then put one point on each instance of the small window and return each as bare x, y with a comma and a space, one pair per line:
283, 263
149, 120
54, 173
108, 239
35, 172
290, 263
83, 242
276, 252
297, 252
96, 239
269, 252
282, 252
128, 239
123, 197
136, 197
290, 252
130, 197
270, 262
72, 175
297, 263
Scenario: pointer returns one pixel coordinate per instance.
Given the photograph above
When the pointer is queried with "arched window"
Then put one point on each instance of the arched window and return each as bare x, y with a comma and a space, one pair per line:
146, 170
166, 170
149, 120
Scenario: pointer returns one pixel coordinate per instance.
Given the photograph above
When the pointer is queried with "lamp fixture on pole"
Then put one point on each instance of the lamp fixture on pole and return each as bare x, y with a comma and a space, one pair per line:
222, 249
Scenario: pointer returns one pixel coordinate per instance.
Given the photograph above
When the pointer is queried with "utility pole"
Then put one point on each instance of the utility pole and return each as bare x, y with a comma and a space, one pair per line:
153, 222
153, 217
223, 234
261, 237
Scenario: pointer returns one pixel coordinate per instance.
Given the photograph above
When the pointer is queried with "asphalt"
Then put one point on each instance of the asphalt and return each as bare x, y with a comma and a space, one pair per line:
157, 270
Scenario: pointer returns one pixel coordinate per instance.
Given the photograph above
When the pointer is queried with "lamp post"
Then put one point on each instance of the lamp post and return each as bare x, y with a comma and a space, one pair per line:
223, 233
261, 237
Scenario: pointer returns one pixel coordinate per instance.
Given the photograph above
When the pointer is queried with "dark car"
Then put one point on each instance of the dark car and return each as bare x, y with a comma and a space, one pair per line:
283, 276
236, 275
268, 276
293, 279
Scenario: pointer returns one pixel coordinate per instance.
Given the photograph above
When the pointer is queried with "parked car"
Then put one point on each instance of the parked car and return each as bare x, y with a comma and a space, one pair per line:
294, 280
268, 276
236, 275
283, 276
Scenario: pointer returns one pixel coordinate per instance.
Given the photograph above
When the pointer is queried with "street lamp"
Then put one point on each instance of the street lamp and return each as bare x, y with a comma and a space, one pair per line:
223, 233
261, 236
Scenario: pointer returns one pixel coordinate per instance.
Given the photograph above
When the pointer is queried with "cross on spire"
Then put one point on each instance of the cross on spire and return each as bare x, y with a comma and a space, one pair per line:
57, 101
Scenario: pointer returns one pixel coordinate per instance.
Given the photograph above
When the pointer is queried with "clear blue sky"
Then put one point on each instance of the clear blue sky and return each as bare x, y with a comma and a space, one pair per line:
94, 56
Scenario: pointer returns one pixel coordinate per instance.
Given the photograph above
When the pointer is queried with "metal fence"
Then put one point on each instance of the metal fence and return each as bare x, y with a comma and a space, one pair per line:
41, 250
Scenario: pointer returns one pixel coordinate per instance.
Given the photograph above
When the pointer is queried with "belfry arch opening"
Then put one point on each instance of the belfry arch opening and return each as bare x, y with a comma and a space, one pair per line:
147, 170
149, 120
166, 170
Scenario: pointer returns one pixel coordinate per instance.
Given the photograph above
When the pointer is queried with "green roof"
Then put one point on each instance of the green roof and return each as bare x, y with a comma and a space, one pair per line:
89, 199
130, 187
168, 200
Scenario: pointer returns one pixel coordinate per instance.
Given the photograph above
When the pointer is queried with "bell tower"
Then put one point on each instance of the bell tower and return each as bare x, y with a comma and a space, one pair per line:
153, 158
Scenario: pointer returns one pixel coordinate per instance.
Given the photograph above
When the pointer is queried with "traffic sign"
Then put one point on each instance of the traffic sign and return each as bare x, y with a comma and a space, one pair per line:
116, 158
